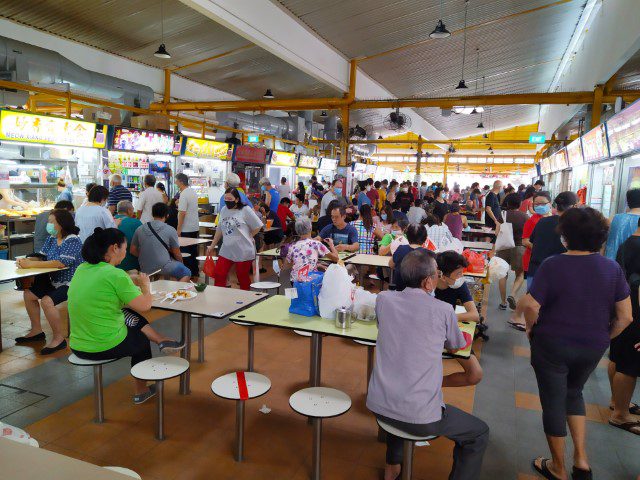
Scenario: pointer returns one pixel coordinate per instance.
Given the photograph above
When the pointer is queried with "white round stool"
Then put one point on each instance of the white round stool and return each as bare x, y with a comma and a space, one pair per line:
407, 446
158, 370
319, 403
250, 348
370, 357
185, 254
240, 386
266, 286
302, 333
124, 471
98, 397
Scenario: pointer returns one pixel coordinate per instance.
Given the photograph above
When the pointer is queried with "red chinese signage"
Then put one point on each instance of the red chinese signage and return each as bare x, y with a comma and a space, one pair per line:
247, 154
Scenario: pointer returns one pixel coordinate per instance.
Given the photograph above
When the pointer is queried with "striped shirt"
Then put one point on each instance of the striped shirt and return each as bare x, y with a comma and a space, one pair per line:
119, 193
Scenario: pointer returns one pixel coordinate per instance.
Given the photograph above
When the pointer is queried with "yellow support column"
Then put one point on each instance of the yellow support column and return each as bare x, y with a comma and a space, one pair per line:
419, 155
344, 142
596, 108
68, 104
446, 164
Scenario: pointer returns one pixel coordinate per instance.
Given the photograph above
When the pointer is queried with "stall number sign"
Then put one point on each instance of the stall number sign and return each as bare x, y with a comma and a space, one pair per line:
199, 148
537, 137
25, 127
253, 138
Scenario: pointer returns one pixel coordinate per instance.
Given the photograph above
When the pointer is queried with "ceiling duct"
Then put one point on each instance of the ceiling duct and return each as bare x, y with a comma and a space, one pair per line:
288, 128
331, 128
368, 149
30, 64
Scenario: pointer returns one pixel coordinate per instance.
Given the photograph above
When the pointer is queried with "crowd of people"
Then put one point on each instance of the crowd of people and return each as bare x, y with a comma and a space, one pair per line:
576, 278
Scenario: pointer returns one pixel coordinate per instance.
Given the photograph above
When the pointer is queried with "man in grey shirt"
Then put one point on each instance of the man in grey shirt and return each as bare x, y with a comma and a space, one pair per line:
405, 389
156, 245
334, 193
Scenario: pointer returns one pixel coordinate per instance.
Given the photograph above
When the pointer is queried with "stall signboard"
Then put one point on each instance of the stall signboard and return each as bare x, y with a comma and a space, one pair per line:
304, 171
624, 131
246, 154
559, 161
359, 168
371, 169
545, 166
283, 159
197, 147
574, 153
594, 144
328, 164
30, 128
307, 161
145, 141
253, 138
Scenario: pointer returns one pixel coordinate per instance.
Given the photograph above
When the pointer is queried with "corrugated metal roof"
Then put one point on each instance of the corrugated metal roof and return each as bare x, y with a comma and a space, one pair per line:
132, 29
519, 53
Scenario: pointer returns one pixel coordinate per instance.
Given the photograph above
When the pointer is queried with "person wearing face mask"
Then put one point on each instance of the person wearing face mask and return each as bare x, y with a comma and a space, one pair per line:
237, 226
541, 206
61, 250
385, 221
404, 198
416, 235
334, 193
363, 198
271, 195
392, 192
405, 389
94, 214
40, 233
440, 206
372, 193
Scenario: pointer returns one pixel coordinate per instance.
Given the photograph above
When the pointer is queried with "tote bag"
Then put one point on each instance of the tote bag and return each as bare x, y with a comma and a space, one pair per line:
504, 240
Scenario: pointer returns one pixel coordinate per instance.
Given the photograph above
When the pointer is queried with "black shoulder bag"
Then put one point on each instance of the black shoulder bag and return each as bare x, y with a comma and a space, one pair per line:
160, 239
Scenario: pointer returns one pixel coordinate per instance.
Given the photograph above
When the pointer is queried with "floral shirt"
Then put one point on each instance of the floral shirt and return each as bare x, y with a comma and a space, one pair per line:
304, 255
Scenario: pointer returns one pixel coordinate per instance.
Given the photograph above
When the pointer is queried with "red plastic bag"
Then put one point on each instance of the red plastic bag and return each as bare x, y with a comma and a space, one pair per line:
209, 267
476, 261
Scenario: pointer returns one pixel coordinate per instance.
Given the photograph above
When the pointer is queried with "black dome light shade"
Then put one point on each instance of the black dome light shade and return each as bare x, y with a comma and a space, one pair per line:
162, 52
440, 31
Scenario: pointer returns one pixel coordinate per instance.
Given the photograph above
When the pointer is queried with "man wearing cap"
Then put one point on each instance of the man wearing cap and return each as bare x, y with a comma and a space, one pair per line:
271, 195
233, 181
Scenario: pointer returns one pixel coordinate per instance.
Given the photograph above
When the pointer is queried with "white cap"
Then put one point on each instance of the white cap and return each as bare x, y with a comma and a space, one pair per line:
233, 180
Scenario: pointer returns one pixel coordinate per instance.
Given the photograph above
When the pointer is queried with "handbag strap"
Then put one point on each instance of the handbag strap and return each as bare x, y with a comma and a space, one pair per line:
159, 239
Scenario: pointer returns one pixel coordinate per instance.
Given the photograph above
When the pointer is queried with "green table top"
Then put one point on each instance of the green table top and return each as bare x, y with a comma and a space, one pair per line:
274, 312
275, 252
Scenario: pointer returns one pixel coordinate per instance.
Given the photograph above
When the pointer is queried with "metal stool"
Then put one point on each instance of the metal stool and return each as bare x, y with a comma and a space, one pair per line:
407, 446
158, 370
240, 386
266, 286
124, 471
318, 403
370, 357
250, 333
98, 398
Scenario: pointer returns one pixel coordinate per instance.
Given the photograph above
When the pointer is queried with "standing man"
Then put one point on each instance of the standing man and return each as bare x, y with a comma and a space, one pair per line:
624, 224
272, 196
539, 185
188, 223
148, 198
492, 208
372, 193
334, 193
118, 192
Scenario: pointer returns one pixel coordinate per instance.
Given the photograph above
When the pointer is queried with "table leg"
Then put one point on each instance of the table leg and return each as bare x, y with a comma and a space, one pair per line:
250, 347
256, 269
160, 405
98, 398
185, 378
316, 346
312, 361
407, 459
317, 448
201, 339
239, 430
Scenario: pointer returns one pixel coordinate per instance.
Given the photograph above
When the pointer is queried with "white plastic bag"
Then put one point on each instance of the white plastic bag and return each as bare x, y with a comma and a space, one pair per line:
364, 305
453, 245
504, 239
337, 291
498, 269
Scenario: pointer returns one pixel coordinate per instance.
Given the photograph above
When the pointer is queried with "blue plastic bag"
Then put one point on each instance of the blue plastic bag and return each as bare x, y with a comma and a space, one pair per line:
307, 302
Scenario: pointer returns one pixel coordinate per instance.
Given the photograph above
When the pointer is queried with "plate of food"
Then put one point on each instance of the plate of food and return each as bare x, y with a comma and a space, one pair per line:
180, 295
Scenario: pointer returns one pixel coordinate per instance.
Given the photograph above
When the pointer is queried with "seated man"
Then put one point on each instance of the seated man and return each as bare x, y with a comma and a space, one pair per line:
344, 236
127, 224
157, 248
405, 389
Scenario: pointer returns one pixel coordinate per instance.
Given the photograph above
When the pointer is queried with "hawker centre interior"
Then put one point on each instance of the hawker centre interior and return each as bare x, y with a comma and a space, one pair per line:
319, 239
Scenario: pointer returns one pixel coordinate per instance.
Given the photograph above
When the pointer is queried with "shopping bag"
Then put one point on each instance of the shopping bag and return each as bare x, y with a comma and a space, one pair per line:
498, 269
209, 267
364, 304
504, 239
453, 245
337, 291
306, 302
475, 261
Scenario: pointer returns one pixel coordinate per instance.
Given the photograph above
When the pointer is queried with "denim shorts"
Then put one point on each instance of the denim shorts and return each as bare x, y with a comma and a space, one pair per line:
176, 269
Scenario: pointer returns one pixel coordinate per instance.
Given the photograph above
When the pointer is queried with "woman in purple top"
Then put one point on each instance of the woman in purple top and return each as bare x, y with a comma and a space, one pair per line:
455, 221
578, 301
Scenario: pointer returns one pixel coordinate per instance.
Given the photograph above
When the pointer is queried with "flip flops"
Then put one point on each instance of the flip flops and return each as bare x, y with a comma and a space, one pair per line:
543, 469
627, 426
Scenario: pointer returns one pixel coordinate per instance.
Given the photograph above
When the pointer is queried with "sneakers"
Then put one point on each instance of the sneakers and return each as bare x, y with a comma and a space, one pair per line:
143, 397
511, 302
170, 346
502, 306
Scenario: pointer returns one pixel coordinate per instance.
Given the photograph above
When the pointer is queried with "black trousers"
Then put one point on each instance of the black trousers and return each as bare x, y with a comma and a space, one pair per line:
561, 370
135, 345
191, 263
469, 433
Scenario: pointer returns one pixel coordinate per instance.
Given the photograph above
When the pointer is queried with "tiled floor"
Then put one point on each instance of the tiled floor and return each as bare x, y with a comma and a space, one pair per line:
57, 410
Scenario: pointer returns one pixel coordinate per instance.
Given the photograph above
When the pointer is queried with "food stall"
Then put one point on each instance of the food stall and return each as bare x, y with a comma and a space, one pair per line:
603, 171
307, 165
39, 150
282, 164
623, 133
359, 171
206, 163
579, 173
327, 170
249, 163
370, 171
135, 153
559, 177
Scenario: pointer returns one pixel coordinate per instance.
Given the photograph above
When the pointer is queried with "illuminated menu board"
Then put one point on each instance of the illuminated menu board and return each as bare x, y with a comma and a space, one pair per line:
307, 161
574, 153
624, 131
559, 161
545, 166
359, 168
146, 141
594, 145
197, 147
328, 164
284, 159
29, 128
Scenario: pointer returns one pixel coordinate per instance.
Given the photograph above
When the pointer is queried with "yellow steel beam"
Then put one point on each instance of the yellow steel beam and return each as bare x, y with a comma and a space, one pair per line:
401, 155
485, 141
596, 108
214, 57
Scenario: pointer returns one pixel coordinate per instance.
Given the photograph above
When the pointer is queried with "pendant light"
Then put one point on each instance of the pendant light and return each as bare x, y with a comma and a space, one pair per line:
440, 31
268, 94
162, 50
475, 87
462, 84
323, 113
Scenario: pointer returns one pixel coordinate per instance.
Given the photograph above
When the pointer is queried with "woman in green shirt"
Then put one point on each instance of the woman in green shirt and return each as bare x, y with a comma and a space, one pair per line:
101, 328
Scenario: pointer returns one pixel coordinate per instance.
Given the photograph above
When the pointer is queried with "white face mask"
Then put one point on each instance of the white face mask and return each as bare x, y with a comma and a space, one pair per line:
368, 188
458, 283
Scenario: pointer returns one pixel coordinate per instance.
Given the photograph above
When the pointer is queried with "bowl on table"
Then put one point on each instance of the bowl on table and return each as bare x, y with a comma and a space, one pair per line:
200, 287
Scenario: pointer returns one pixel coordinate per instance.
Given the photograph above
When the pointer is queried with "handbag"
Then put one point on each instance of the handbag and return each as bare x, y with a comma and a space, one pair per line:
504, 239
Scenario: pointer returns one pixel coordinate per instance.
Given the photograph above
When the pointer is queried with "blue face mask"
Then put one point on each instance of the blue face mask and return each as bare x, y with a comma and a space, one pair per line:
383, 216
51, 229
338, 190
542, 209
262, 188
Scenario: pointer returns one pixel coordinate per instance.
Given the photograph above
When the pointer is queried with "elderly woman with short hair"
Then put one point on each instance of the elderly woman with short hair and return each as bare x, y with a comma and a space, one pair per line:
305, 253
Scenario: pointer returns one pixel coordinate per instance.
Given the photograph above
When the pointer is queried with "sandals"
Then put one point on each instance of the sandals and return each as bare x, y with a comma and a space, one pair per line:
580, 474
627, 426
518, 326
543, 469
634, 409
